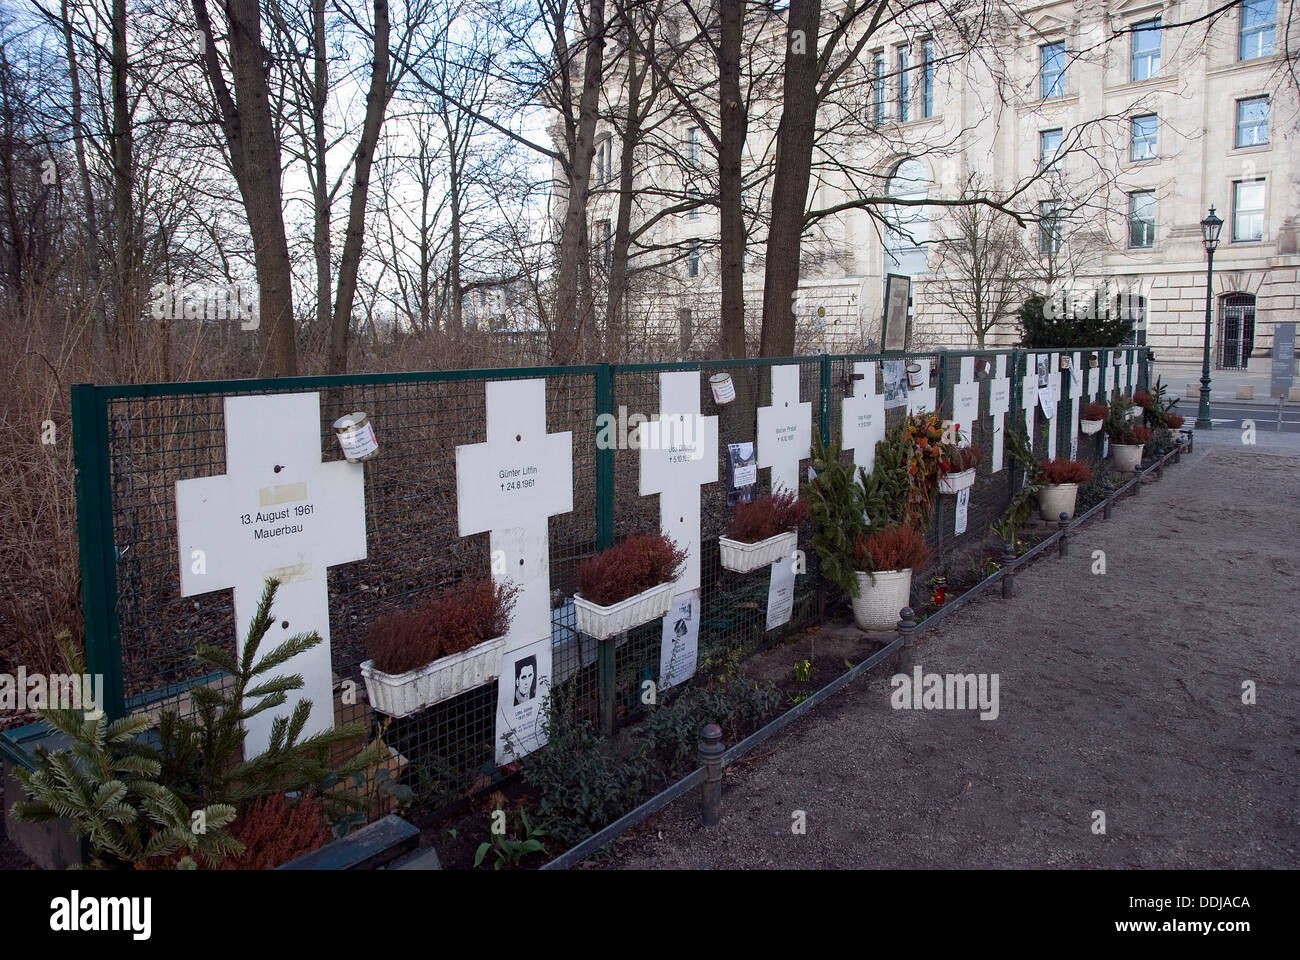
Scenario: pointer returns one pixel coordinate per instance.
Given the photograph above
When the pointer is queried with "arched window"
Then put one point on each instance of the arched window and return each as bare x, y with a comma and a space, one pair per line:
908, 234
1236, 337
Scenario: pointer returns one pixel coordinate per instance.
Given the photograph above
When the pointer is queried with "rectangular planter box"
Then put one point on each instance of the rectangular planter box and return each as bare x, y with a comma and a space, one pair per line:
402, 694
741, 557
601, 622
951, 483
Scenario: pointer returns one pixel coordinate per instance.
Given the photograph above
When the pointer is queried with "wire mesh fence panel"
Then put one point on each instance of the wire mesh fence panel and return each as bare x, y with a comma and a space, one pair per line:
144, 439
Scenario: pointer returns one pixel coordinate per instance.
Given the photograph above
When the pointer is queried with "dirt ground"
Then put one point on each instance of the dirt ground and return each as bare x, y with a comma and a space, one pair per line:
1119, 693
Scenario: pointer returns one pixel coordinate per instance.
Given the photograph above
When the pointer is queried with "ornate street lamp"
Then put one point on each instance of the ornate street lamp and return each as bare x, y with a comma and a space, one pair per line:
1210, 228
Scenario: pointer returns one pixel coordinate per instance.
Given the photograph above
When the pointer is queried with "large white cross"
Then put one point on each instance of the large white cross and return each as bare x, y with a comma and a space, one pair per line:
276, 512
999, 406
785, 430
1076, 391
510, 485
1094, 381
965, 411
862, 417
921, 399
679, 454
1109, 360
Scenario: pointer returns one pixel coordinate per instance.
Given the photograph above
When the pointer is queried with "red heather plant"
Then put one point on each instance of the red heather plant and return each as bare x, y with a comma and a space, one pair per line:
1052, 472
275, 830
891, 548
631, 566
451, 622
1094, 411
1173, 421
766, 517
1142, 398
965, 458
1141, 435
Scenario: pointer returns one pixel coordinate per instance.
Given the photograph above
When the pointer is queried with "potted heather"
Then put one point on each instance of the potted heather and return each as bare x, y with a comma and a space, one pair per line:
957, 468
884, 561
440, 648
1092, 418
1059, 481
1126, 438
762, 531
628, 584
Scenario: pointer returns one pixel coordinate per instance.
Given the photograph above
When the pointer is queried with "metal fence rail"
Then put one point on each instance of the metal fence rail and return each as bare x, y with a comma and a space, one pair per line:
133, 442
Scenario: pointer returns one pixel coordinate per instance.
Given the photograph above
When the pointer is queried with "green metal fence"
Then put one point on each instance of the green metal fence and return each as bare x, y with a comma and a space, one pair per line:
133, 443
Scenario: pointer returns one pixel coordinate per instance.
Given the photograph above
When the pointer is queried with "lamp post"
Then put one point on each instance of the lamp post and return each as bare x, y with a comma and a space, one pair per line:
1210, 228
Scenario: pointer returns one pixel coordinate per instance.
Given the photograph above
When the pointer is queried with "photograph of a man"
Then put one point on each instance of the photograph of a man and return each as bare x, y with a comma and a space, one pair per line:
525, 680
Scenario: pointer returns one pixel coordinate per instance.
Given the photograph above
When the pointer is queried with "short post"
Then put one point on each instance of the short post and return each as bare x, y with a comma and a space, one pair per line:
710, 753
1178, 452
906, 632
1009, 564
1105, 508
1063, 545
1160, 467
605, 685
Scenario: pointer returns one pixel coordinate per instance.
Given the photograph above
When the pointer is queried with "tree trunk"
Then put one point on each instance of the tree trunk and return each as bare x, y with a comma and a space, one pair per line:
794, 148
568, 318
614, 331
321, 246
376, 106
126, 310
249, 127
732, 126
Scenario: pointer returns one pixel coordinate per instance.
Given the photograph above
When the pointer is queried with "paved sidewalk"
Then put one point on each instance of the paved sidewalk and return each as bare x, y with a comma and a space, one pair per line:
1223, 384
1119, 693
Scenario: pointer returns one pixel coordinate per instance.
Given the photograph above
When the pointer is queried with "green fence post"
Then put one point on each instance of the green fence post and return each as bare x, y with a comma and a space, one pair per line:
604, 538
97, 556
824, 416
1014, 416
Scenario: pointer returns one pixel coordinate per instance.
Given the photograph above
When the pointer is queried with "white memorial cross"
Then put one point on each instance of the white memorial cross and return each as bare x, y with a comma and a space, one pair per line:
862, 418
278, 511
785, 430
999, 406
1108, 357
922, 399
1076, 390
679, 454
1054, 386
510, 485
1029, 395
965, 411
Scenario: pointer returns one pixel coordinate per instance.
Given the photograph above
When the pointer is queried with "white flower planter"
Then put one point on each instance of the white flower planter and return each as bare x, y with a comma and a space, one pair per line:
401, 694
1057, 498
1089, 426
601, 622
956, 482
1127, 456
741, 557
877, 605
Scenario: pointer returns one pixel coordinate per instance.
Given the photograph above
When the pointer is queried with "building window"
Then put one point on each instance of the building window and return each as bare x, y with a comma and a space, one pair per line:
693, 146
1143, 137
606, 238
605, 160
1049, 226
693, 197
1146, 49
1142, 218
878, 74
1258, 21
693, 259
902, 85
1053, 69
1252, 122
1049, 143
1248, 210
927, 78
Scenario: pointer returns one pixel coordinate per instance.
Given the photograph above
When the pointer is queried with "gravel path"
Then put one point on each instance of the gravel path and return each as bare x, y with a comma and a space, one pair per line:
1119, 693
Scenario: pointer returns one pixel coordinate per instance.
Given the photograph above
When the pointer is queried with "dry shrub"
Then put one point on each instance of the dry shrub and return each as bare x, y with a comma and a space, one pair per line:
450, 622
1094, 411
767, 516
275, 830
1064, 471
1143, 399
1173, 421
893, 548
629, 567
962, 458
1141, 435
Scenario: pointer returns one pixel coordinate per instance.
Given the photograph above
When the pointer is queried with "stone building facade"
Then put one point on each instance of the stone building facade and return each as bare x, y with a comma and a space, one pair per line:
1125, 126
